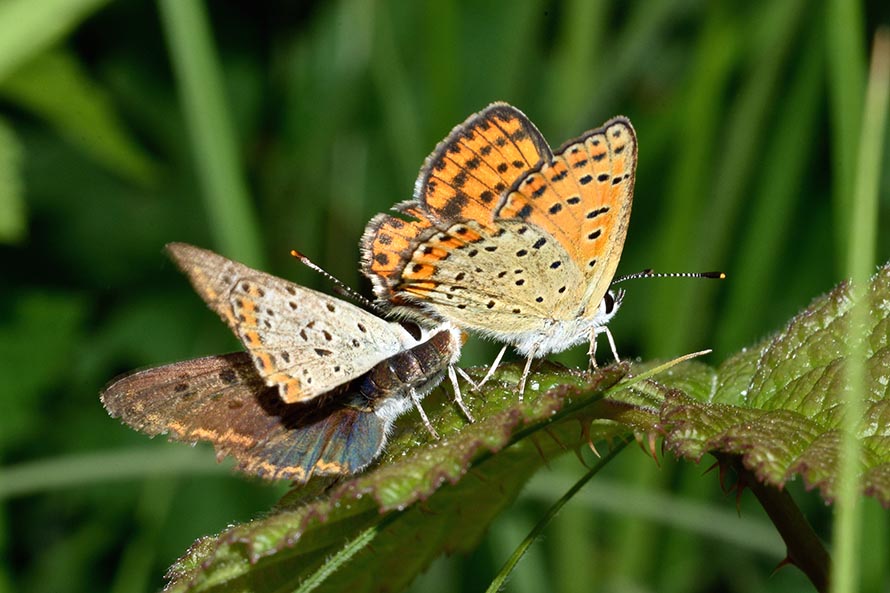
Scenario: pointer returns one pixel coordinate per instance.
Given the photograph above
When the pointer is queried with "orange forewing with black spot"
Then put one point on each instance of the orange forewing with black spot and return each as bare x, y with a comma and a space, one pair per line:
388, 245
531, 268
463, 179
583, 198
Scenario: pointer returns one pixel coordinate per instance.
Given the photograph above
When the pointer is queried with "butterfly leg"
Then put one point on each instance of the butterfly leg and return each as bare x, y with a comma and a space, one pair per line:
525, 371
457, 397
591, 350
492, 368
605, 330
467, 378
426, 421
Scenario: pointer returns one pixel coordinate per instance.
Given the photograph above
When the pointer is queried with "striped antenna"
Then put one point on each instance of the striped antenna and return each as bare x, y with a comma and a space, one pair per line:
652, 274
339, 286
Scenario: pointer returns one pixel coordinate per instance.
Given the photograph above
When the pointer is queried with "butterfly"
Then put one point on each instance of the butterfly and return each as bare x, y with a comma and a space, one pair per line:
317, 391
508, 238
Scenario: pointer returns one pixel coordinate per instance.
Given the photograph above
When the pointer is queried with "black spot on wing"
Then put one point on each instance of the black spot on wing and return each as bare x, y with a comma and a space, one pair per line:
594, 213
454, 206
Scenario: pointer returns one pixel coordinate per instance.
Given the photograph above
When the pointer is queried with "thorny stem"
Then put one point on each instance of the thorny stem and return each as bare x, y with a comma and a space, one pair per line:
805, 549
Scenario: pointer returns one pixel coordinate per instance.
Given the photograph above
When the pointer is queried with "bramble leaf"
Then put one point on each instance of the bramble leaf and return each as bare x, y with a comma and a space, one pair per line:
425, 497
780, 405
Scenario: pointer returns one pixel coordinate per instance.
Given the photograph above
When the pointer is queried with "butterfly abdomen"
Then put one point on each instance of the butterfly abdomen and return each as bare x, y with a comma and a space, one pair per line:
386, 388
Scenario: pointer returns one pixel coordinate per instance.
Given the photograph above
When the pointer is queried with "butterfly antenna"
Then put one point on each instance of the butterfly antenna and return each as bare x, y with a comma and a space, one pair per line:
339, 286
652, 274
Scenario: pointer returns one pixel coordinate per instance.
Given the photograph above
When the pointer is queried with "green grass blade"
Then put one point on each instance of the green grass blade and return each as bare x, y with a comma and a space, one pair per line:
442, 65
632, 47
396, 95
860, 261
713, 521
686, 186
702, 235
716, 54
13, 223
845, 50
774, 200
134, 572
215, 147
576, 69
72, 471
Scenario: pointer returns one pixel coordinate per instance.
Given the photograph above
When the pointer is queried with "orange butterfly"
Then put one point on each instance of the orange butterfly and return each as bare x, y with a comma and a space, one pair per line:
509, 239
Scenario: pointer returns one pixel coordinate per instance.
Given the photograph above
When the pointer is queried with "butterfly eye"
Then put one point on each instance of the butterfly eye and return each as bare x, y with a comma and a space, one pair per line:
609, 302
413, 329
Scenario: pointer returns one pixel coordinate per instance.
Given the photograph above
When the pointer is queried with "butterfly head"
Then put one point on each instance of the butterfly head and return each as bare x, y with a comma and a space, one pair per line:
609, 306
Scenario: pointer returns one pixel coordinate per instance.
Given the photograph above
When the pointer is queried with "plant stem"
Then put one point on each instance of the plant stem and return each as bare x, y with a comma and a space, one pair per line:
805, 549
535, 533
344, 555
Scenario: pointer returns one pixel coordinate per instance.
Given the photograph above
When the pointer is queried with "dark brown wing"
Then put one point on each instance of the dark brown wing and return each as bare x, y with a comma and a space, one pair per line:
222, 400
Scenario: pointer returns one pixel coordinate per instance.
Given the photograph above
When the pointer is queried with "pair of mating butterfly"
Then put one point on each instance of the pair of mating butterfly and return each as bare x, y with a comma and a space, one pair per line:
503, 237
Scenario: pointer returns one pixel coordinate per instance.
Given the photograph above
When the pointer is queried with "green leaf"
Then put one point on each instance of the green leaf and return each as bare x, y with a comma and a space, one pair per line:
780, 405
426, 497
27, 28
214, 143
13, 224
54, 86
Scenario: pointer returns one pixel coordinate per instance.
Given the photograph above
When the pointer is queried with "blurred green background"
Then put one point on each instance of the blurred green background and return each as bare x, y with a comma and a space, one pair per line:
254, 130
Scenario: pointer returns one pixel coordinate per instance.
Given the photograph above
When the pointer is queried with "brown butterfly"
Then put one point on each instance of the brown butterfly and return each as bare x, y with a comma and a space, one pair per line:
317, 392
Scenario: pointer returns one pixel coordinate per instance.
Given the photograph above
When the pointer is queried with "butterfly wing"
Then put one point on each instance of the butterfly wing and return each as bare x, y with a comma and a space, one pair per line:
222, 400
582, 198
479, 159
504, 283
552, 247
301, 341
387, 246
462, 180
